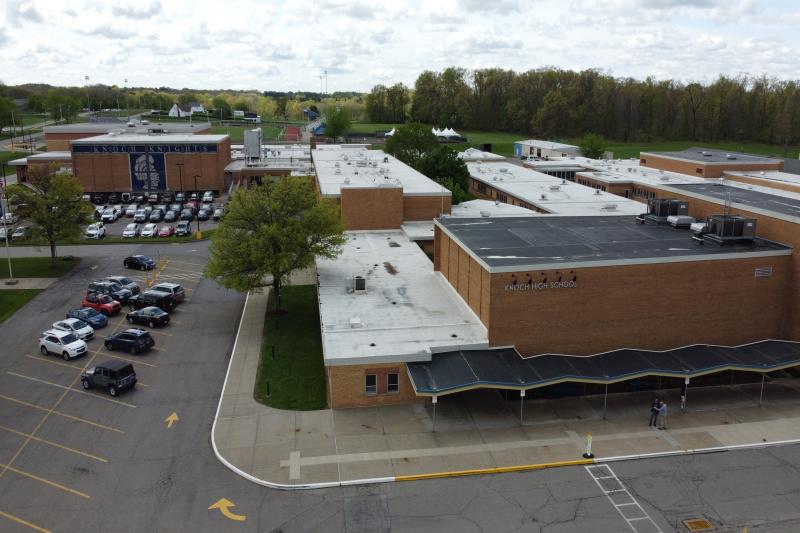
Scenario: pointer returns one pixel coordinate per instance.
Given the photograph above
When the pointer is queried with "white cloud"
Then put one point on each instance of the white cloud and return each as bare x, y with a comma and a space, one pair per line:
134, 10
23, 11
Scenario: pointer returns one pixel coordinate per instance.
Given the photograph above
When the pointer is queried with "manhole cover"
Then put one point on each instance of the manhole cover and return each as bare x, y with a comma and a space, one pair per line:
698, 524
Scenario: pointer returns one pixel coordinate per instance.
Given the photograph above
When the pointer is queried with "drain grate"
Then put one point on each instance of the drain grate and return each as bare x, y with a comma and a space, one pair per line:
698, 524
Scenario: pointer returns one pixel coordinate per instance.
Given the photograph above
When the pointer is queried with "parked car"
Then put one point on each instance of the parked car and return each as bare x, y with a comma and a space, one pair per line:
180, 197
171, 216
113, 376
74, 325
90, 316
113, 198
193, 197
102, 303
96, 231
149, 230
139, 262
149, 298
130, 231
9, 218
166, 231
208, 197
21, 232
3, 232
126, 282
130, 211
109, 215
133, 340
99, 199
126, 197
187, 214
64, 343
203, 214
152, 316
218, 213
152, 198
167, 197
176, 290
111, 288
140, 215
182, 229
139, 198
177, 206
157, 215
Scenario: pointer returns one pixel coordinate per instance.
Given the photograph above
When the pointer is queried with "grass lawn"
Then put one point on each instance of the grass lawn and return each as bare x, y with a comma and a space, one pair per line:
5, 157
363, 127
13, 299
27, 120
295, 378
237, 132
36, 267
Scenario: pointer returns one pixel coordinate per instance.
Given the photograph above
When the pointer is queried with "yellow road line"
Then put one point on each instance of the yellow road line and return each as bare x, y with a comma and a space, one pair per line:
53, 444
70, 389
51, 361
59, 413
47, 481
496, 470
106, 354
20, 521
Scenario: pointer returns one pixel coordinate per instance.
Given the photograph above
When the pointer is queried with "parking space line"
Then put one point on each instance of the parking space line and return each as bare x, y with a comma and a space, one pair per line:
156, 348
46, 481
70, 389
198, 272
186, 263
106, 354
20, 521
51, 361
53, 444
59, 413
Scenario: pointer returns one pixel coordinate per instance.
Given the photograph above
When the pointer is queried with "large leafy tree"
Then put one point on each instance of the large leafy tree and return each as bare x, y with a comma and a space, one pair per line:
272, 230
410, 142
6, 108
592, 145
337, 122
55, 205
442, 165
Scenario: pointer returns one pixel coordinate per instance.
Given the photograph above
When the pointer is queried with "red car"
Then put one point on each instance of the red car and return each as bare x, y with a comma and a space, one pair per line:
166, 231
102, 303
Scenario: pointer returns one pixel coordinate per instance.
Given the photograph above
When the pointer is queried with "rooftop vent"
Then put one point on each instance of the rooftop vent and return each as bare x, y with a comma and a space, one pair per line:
337, 171
707, 154
485, 214
597, 192
555, 187
359, 284
544, 196
355, 322
503, 169
609, 207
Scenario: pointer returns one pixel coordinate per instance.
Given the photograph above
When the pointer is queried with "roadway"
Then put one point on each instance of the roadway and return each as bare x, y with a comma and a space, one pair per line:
72, 461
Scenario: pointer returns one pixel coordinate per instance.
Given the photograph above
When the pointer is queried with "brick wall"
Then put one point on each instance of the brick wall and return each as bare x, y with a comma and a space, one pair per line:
372, 208
763, 182
346, 385
643, 306
425, 207
467, 276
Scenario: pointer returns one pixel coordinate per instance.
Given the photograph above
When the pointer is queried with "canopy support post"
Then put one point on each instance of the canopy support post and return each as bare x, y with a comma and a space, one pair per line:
521, 404
761, 395
433, 399
605, 402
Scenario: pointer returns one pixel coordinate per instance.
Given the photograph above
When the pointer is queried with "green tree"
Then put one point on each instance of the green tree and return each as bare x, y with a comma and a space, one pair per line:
6, 108
54, 204
592, 145
222, 109
281, 108
442, 162
459, 194
271, 230
337, 122
410, 142
63, 103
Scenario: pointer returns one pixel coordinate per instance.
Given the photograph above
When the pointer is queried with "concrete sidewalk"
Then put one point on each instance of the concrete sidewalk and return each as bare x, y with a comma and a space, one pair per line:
28, 283
476, 430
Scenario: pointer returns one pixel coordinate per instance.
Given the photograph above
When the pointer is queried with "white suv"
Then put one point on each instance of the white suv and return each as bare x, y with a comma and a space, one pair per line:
131, 230
96, 231
65, 343
73, 325
149, 230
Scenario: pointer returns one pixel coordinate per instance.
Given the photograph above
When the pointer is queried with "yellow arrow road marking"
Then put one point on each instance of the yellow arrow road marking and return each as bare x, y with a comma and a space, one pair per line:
224, 505
171, 419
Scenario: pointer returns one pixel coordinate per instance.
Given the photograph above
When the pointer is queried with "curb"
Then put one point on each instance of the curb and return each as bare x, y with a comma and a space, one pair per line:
459, 473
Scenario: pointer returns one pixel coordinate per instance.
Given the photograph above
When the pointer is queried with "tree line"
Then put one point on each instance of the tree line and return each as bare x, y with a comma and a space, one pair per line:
555, 103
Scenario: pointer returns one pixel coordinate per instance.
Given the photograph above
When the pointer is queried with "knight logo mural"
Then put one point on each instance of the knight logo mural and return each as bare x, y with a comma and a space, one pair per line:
148, 172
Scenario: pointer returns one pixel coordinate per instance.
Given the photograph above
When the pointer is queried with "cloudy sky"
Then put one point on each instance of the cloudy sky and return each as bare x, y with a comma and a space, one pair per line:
286, 45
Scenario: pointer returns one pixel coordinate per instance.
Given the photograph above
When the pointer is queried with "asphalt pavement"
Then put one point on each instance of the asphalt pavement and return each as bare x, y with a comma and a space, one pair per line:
78, 462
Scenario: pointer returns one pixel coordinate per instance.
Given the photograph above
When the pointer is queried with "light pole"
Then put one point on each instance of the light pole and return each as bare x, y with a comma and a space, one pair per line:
180, 175
86, 79
7, 209
198, 198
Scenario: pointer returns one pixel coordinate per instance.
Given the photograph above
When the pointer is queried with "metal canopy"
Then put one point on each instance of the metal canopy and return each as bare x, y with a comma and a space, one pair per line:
505, 368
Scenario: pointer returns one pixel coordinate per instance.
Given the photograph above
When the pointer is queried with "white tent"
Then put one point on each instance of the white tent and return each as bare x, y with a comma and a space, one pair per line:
451, 132
436, 132
390, 133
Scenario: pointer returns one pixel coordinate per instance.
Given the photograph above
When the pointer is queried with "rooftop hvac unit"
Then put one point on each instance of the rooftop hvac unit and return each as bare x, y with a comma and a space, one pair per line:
731, 227
680, 221
337, 164
359, 284
555, 187
666, 207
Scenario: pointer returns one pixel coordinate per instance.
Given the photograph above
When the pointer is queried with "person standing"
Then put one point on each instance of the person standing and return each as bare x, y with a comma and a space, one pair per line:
662, 412
654, 412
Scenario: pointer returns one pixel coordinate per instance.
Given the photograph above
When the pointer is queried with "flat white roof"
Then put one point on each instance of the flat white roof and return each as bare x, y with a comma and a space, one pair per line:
359, 167
408, 311
41, 156
423, 230
473, 154
551, 194
138, 138
137, 127
767, 176
549, 145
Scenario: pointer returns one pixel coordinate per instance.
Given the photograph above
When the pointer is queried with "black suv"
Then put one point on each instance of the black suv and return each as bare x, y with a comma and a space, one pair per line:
132, 340
139, 262
113, 376
152, 316
162, 300
111, 288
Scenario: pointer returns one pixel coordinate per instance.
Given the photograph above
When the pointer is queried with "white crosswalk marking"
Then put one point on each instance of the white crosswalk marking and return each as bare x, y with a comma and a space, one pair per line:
622, 500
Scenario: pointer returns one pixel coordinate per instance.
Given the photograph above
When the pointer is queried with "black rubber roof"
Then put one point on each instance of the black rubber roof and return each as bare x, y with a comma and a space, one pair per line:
771, 202
531, 241
460, 370
713, 155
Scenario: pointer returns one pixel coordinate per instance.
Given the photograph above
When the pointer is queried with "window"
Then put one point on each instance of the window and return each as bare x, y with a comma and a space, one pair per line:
371, 384
392, 383
698, 170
